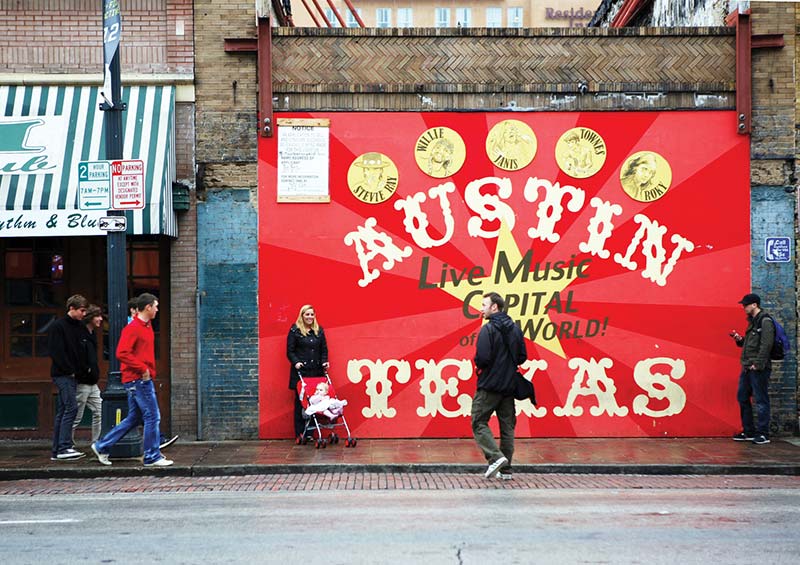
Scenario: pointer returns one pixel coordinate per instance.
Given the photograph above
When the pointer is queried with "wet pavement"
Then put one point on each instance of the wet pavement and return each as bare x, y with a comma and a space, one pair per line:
692, 456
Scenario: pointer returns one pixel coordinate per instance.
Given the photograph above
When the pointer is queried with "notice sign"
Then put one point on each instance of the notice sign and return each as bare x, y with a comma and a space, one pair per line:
127, 185
303, 160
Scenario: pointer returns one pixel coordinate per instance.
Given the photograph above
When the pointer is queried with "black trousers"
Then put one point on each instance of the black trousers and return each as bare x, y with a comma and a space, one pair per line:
299, 421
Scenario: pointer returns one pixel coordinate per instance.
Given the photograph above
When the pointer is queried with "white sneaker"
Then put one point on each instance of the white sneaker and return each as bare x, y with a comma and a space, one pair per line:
163, 462
102, 457
505, 476
494, 468
166, 442
69, 454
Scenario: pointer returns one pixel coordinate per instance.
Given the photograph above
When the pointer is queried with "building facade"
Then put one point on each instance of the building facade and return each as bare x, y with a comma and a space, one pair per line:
483, 13
51, 241
349, 82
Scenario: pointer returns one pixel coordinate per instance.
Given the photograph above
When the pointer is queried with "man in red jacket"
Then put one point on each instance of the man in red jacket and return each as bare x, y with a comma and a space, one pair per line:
136, 354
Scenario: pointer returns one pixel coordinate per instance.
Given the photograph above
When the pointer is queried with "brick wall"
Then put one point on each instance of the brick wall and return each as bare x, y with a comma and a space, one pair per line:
183, 289
773, 190
225, 89
60, 36
228, 280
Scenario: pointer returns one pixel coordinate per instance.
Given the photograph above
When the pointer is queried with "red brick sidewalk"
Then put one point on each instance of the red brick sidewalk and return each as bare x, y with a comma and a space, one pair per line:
387, 481
626, 456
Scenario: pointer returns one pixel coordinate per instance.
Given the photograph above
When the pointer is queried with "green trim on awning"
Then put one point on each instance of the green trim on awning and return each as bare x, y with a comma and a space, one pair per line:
148, 134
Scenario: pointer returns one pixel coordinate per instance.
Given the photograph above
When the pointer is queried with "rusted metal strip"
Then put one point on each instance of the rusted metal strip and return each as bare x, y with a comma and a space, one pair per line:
265, 123
311, 13
355, 13
336, 13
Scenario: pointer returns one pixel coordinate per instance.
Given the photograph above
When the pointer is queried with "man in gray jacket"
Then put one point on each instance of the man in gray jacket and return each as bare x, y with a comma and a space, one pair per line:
756, 344
500, 349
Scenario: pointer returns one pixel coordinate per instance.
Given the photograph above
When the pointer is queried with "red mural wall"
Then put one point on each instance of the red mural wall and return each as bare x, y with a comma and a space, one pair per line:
621, 242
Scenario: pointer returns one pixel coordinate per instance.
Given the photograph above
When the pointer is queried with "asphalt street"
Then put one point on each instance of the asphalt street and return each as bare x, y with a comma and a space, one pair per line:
459, 526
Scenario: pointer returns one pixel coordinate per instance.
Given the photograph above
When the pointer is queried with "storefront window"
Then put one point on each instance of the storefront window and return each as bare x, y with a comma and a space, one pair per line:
29, 334
34, 273
33, 293
143, 270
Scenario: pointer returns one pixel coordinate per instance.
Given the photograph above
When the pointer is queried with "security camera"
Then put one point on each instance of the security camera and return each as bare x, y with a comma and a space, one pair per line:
583, 88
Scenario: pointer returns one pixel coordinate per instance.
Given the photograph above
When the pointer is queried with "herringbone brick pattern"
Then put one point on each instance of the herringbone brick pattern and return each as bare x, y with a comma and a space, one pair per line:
395, 63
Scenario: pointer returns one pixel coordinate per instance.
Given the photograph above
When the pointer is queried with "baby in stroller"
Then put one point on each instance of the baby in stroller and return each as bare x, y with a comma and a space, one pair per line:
321, 403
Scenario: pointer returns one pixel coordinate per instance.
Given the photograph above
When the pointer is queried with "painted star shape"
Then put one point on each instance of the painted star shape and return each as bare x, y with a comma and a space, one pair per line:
531, 316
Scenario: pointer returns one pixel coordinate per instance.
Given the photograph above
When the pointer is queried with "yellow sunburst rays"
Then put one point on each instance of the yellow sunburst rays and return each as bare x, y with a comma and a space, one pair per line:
530, 311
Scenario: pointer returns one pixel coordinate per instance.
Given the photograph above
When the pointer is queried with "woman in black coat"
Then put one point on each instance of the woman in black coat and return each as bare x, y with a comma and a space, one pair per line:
307, 351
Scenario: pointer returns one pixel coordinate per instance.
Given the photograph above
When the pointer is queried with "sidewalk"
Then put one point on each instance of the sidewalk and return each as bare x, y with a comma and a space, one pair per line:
31, 460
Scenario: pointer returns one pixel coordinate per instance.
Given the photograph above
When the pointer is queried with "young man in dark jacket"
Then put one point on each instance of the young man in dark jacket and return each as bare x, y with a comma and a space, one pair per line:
88, 392
499, 351
68, 361
756, 346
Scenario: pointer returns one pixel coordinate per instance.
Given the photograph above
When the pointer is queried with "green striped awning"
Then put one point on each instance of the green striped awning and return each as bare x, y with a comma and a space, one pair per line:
45, 131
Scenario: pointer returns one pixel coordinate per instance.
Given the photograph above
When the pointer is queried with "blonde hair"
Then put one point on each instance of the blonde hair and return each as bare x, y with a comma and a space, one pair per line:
301, 325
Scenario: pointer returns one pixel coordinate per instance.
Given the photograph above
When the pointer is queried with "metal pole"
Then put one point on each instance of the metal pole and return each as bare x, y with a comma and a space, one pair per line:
115, 398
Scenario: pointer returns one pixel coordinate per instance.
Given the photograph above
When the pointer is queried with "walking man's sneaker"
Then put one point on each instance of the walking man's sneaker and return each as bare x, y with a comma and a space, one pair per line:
760, 440
69, 455
102, 457
167, 441
494, 468
741, 436
163, 462
505, 476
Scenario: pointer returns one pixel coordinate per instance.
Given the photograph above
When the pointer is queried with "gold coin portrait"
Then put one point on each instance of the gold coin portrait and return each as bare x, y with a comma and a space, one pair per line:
645, 176
372, 178
580, 152
440, 152
511, 145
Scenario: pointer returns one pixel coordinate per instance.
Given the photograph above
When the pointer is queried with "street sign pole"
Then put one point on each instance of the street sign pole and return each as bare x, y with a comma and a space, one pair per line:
115, 398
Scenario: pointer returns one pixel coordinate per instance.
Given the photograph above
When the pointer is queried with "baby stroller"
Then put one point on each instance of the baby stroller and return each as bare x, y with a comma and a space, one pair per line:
317, 421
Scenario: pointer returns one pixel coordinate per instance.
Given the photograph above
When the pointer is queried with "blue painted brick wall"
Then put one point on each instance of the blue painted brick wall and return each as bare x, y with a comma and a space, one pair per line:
228, 316
772, 215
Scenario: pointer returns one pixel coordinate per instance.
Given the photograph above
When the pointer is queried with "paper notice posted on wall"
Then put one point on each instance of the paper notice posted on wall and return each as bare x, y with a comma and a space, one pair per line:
303, 160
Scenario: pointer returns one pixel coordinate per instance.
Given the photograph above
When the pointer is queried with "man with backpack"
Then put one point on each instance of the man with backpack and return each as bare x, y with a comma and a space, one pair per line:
499, 351
756, 347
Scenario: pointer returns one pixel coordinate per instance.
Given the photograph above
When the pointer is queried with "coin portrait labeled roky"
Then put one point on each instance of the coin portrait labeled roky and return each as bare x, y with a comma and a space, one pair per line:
645, 176
511, 145
372, 178
580, 152
440, 152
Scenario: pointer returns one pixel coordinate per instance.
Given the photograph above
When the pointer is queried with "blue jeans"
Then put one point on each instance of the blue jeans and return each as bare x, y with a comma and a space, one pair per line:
66, 410
142, 409
755, 384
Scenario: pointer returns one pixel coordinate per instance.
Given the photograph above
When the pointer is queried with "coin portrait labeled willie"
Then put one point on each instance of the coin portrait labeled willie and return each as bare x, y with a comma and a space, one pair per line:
440, 152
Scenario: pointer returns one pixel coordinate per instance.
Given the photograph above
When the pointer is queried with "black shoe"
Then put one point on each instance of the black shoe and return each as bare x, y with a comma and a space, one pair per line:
166, 442
760, 440
741, 436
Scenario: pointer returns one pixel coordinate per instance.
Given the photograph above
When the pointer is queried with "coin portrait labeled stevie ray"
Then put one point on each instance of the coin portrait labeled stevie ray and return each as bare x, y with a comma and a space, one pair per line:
372, 178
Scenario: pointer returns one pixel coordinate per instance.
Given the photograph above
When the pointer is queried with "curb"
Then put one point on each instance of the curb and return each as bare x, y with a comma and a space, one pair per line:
99, 471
